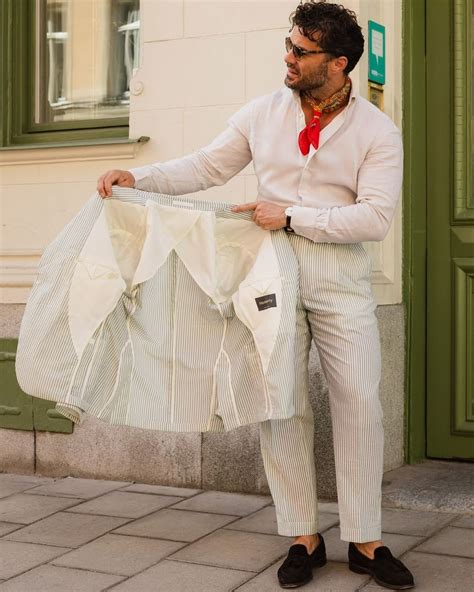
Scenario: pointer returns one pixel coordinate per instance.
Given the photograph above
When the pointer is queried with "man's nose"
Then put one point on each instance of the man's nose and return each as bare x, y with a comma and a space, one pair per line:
290, 58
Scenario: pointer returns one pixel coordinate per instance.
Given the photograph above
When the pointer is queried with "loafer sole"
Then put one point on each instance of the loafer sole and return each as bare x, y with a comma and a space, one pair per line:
297, 585
318, 563
365, 570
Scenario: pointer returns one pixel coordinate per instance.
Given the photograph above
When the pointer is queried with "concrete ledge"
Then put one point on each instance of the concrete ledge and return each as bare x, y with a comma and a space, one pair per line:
100, 451
17, 452
10, 320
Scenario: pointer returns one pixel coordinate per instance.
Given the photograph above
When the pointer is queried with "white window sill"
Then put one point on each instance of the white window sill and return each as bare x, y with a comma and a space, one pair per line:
72, 151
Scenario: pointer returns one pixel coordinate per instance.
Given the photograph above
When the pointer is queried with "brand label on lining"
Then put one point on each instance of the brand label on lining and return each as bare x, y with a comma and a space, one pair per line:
267, 301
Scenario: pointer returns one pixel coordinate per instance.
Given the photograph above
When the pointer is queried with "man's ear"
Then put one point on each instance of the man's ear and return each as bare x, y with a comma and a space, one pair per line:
339, 63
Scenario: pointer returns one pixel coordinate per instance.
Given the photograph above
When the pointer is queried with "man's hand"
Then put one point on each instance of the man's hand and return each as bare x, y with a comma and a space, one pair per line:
268, 216
114, 177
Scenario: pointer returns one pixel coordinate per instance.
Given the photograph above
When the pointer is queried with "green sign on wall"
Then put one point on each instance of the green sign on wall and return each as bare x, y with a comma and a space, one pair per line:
376, 52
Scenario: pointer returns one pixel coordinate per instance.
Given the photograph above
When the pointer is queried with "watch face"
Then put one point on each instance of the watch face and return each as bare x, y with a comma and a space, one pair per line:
289, 211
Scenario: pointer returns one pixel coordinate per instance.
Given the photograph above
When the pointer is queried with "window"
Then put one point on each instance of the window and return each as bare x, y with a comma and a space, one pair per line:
67, 67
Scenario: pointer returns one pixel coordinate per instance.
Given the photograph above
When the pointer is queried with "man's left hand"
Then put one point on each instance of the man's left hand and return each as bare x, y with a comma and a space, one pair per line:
267, 215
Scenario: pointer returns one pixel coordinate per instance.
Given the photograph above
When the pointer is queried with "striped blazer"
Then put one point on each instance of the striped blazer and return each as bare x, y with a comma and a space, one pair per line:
153, 311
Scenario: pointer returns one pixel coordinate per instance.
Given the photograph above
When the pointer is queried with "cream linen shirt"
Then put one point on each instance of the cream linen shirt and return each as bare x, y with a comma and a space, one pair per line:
346, 191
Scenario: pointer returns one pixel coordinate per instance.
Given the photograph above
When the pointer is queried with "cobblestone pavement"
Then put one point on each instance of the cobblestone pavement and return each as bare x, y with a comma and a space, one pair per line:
86, 535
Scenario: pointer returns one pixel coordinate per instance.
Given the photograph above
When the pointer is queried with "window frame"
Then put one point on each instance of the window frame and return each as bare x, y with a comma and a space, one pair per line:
17, 79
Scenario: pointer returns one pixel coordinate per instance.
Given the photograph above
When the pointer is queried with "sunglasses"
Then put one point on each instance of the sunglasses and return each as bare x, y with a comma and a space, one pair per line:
299, 52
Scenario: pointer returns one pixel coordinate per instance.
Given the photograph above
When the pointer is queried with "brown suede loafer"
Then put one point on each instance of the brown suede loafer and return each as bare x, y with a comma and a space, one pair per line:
384, 568
297, 569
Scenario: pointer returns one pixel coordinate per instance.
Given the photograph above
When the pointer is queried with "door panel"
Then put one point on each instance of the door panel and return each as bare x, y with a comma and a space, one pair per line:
450, 230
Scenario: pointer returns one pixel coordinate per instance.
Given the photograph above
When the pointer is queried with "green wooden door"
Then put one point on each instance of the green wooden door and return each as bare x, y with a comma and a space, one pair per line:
450, 230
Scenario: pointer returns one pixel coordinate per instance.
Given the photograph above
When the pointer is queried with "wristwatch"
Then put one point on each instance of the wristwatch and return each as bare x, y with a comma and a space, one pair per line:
288, 213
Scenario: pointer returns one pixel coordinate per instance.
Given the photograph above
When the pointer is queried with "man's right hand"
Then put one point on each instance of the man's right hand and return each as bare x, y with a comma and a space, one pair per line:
114, 177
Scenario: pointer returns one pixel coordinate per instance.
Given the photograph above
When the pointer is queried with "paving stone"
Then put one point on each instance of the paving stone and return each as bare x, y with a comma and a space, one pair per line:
265, 521
249, 551
221, 502
50, 578
81, 488
25, 508
6, 527
333, 577
327, 520
120, 555
434, 573
127, 505
10, 487
331, 507
176, 525
178, 576
337, 550
162, 490
19, 557
464, 522
413, 521
65, 529
450, 541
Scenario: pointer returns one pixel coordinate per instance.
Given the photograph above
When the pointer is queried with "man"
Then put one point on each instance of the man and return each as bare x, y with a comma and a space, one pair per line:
329, 167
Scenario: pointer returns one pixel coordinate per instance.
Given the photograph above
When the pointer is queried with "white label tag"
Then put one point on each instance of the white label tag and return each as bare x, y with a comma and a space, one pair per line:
186, 204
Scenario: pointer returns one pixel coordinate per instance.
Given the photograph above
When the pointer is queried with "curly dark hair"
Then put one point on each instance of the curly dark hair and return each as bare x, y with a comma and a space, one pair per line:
335, 27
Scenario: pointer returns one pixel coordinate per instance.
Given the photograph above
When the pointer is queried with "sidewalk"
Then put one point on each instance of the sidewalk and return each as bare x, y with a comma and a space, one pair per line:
84, 535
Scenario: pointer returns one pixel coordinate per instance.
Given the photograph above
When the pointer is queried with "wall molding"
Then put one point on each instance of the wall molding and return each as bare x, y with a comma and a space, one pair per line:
18, 271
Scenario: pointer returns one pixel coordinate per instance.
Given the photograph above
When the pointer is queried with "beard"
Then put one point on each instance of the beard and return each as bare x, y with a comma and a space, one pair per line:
311, 81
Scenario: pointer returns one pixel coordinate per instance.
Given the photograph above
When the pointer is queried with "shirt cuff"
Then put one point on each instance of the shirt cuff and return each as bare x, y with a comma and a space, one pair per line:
139, 173
311, 223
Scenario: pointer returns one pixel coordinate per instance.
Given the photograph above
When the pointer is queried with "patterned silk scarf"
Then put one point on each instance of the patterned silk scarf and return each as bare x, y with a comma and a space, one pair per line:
310, 134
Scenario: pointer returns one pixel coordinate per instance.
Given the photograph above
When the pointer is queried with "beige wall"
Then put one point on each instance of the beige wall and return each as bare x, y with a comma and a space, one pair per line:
200, 61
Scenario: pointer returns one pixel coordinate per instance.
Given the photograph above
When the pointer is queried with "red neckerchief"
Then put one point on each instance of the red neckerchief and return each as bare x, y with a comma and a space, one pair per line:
310, 134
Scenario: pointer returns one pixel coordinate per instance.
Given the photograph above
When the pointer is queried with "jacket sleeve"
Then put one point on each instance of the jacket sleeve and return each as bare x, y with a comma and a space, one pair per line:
212, 165
379, 184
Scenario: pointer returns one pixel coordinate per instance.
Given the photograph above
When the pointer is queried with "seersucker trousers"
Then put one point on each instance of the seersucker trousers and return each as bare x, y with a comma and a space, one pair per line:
340, 310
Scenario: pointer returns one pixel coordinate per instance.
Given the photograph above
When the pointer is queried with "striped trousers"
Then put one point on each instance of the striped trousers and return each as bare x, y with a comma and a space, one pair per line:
340, 312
